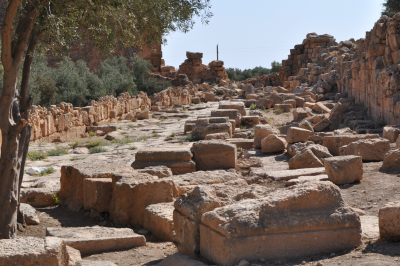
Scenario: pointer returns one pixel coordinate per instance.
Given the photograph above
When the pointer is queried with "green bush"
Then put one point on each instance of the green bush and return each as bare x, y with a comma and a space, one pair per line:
239, 75
97, 143
36, 155
279, 111
47, 171
123, 141
57, 151
253, 106
97, 149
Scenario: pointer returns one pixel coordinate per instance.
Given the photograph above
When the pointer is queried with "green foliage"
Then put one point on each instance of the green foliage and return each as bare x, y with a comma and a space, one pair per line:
74, 144
55, 197
97, 149
189, 138
92, 133
141, 138
132, 148
123, 141
173, 134
243, 127
391, 7
253, 106
47, 171
77, 158
279, 111
57, 151
97, 143
36, 155
239, 75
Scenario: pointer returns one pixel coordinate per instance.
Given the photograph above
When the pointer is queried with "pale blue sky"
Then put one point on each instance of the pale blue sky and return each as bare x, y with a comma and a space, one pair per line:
256, 32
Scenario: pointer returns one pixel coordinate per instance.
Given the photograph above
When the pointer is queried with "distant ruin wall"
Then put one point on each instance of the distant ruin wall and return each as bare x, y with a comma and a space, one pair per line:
367, 70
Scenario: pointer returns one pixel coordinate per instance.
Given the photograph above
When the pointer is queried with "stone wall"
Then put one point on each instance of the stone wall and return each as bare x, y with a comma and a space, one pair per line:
366, 70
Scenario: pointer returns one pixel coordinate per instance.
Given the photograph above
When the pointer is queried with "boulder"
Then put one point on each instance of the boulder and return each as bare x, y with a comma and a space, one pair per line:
296, 134
29, 215
261, 132
96, 239
160, 171
369, 149
277, 226
391, 133
38, 197
212, 125
32, 251
291, 174
143, 115
273, 144
344, 169
211, 155
333, 143
389, 217
250, 121
306, 159
321, 125
299, 114
158, 219
391, 162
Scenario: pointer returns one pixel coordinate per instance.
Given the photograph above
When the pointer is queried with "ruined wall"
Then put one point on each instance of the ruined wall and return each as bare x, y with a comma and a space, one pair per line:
366, 70
65, 122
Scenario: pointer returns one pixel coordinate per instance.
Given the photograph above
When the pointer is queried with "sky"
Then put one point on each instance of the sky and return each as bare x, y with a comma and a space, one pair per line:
254, 33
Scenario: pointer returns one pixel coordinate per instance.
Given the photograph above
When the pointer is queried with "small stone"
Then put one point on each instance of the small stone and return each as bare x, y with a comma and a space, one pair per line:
244, 263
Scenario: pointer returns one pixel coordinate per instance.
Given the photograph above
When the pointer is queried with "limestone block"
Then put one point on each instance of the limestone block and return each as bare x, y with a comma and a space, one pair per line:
391, 133
72, 193
333, 143
314, 213
32, 251
252, 97
98, 192
105, 129
242, 143
143, 115
95, 263
160, 171
369, 149
222, 136
73, 256
96, 239
306, 159
29, 215
209, 97
321, 125
191, 206
210, 155
291, 174
389, 227
38, 197
391, 162
296, 134
261, 132
287, 108
177, 167
320, 108
205, 126
272, 144
265, 103
158, 219
344, 169
250, 121
299, 114
131, 196
233, 105
291, 102
230, 113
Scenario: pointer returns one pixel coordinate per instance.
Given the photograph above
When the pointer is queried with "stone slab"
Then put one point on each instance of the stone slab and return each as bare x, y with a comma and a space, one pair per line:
290, 174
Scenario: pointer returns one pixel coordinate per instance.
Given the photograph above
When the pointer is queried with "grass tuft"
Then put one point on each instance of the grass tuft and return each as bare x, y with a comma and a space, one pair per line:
97, 149
36, 155
57, 151
253, 106
279, 111
47, 171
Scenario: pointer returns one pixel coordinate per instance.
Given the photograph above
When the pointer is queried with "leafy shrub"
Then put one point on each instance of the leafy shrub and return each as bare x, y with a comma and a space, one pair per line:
97, 149
47, 171
97, 143
57, 151
123, 141
36, 155
253, 106
92, 134
279, 111
239, 75
55, 197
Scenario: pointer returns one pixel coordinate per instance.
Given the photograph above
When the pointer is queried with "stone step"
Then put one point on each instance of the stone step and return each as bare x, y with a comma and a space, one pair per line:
96, 239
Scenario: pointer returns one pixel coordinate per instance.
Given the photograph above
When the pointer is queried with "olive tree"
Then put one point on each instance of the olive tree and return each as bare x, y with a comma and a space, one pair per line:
56, 25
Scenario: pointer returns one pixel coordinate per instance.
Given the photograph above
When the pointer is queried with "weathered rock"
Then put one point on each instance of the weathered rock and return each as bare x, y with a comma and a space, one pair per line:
72, 194
217, 136
212, 125
291, 174
210, 155
96, 239
178, 259
333, 143
32, 251
391, 162
299, 114
272, 144
306, 159
306, 179
177, 159
389, 216
97, 194
254, 229
105, 129
242, 143
295, 134
261, 132
131, 196
369, 149
230, 113
391, 133
250, 121
160, 171
38, 197
143, 115
73, 256
158, 219
233, 105
287, 108
191, 206
29, 215
321, 125
344, 169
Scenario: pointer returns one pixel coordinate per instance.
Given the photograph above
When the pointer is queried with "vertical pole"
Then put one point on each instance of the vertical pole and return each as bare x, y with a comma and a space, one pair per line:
217, 52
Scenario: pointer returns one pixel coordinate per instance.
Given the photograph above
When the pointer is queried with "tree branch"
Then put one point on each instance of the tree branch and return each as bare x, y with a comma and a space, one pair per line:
6, 54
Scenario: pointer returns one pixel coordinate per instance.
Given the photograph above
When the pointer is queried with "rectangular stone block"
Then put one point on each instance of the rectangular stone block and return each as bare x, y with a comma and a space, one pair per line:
159, 221
210, 155
333, 143
389, 217
97, 194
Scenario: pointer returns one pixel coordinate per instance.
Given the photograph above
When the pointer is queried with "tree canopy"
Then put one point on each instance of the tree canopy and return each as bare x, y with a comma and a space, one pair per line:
391, 7
237, 74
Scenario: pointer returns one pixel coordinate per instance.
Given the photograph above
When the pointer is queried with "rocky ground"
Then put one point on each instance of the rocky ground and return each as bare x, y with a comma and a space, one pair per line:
166, 129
